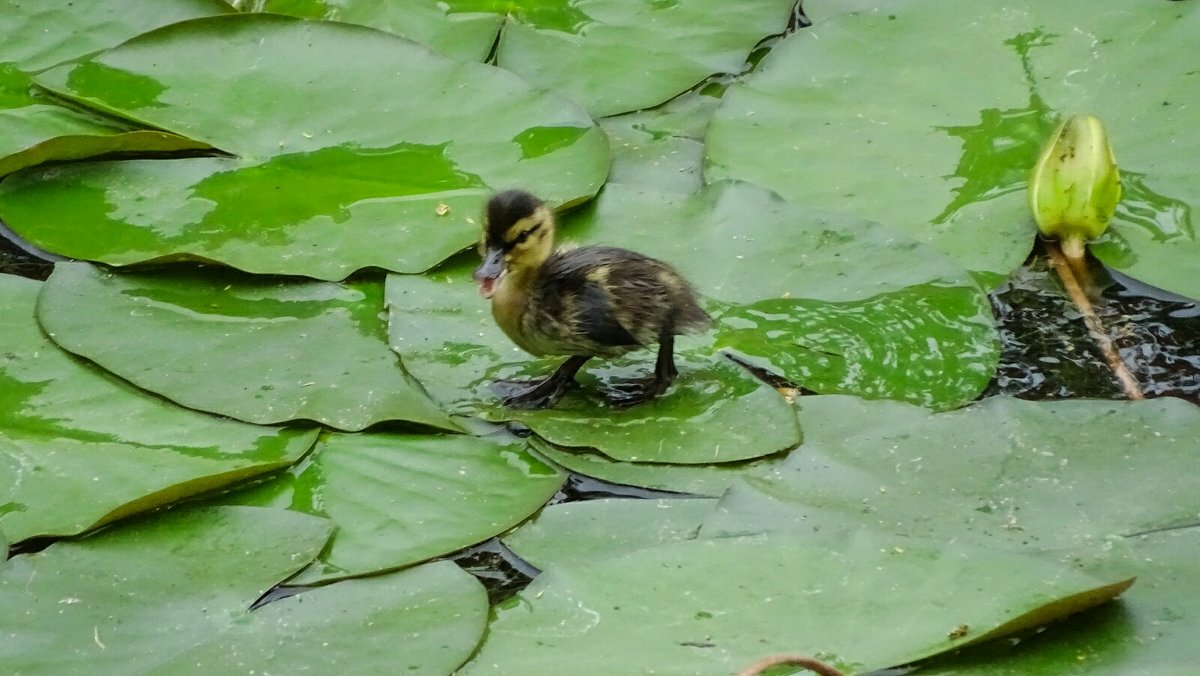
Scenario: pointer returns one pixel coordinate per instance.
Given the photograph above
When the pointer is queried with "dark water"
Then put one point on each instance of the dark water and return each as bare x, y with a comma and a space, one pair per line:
20, 258
1047, 353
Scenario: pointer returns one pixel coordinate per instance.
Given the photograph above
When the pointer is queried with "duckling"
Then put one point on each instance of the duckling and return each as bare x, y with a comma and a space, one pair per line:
583, 302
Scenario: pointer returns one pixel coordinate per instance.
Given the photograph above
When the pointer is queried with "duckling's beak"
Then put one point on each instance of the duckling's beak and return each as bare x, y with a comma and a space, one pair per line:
489, 272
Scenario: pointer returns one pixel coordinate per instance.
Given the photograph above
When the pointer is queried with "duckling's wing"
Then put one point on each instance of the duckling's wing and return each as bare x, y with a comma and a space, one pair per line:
573, 305
596, 318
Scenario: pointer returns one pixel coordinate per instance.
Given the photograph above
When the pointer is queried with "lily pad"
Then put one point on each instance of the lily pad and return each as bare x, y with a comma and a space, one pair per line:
1152, 631
257, 349
702, 480
662, 148
42, 34
861, 601
97, 604
424, 620
67, 429
577, 532
832, 302
848, 114
348, 163
715, 412
1023, 475
607, 54
467, 33
400, 499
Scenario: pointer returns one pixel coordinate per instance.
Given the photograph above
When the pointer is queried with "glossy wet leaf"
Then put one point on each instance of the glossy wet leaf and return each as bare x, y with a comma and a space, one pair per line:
424, 620
928, 344
863, 601
340, 163
259, 349
578, 532
399, 500
612, 56
715, 411
38, 35
79, 448
1152, 631
830, 301
1017, 474
856, 114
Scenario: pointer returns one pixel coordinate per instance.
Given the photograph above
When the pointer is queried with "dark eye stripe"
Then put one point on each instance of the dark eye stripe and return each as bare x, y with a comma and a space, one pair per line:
522, 237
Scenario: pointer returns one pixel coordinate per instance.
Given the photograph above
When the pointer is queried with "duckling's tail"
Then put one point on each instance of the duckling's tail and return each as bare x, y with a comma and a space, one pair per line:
690, 318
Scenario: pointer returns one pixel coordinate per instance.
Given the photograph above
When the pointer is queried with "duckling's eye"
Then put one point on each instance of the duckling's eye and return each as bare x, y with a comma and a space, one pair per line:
521, 238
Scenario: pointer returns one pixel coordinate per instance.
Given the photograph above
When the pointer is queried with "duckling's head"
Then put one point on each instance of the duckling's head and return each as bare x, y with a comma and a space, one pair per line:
518, 236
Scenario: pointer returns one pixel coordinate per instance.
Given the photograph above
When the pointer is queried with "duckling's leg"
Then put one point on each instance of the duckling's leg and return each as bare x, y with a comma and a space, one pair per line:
644, 390
546, 392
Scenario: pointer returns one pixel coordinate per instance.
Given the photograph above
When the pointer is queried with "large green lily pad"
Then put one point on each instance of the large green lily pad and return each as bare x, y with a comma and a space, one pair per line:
1023, 475
400, 499
855, 114
577, 532
79, 448
424, 620
715, 412
612, 56
38, 35
1152, 631
131, 598
341, 162
863, 601
258, 349
834, 303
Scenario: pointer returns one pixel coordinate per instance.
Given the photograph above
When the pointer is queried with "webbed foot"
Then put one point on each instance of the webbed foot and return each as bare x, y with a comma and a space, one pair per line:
531, 394
642, 390
635, 392
544, 393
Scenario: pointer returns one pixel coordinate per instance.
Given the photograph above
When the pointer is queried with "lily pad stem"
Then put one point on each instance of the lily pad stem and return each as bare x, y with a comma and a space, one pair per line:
811, 663
1068, 262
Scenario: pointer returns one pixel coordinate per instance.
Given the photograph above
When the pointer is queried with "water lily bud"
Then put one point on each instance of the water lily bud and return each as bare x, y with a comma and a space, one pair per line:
1075, 186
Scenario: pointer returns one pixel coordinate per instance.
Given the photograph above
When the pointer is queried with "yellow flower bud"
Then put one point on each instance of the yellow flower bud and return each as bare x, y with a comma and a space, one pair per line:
1074, 187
